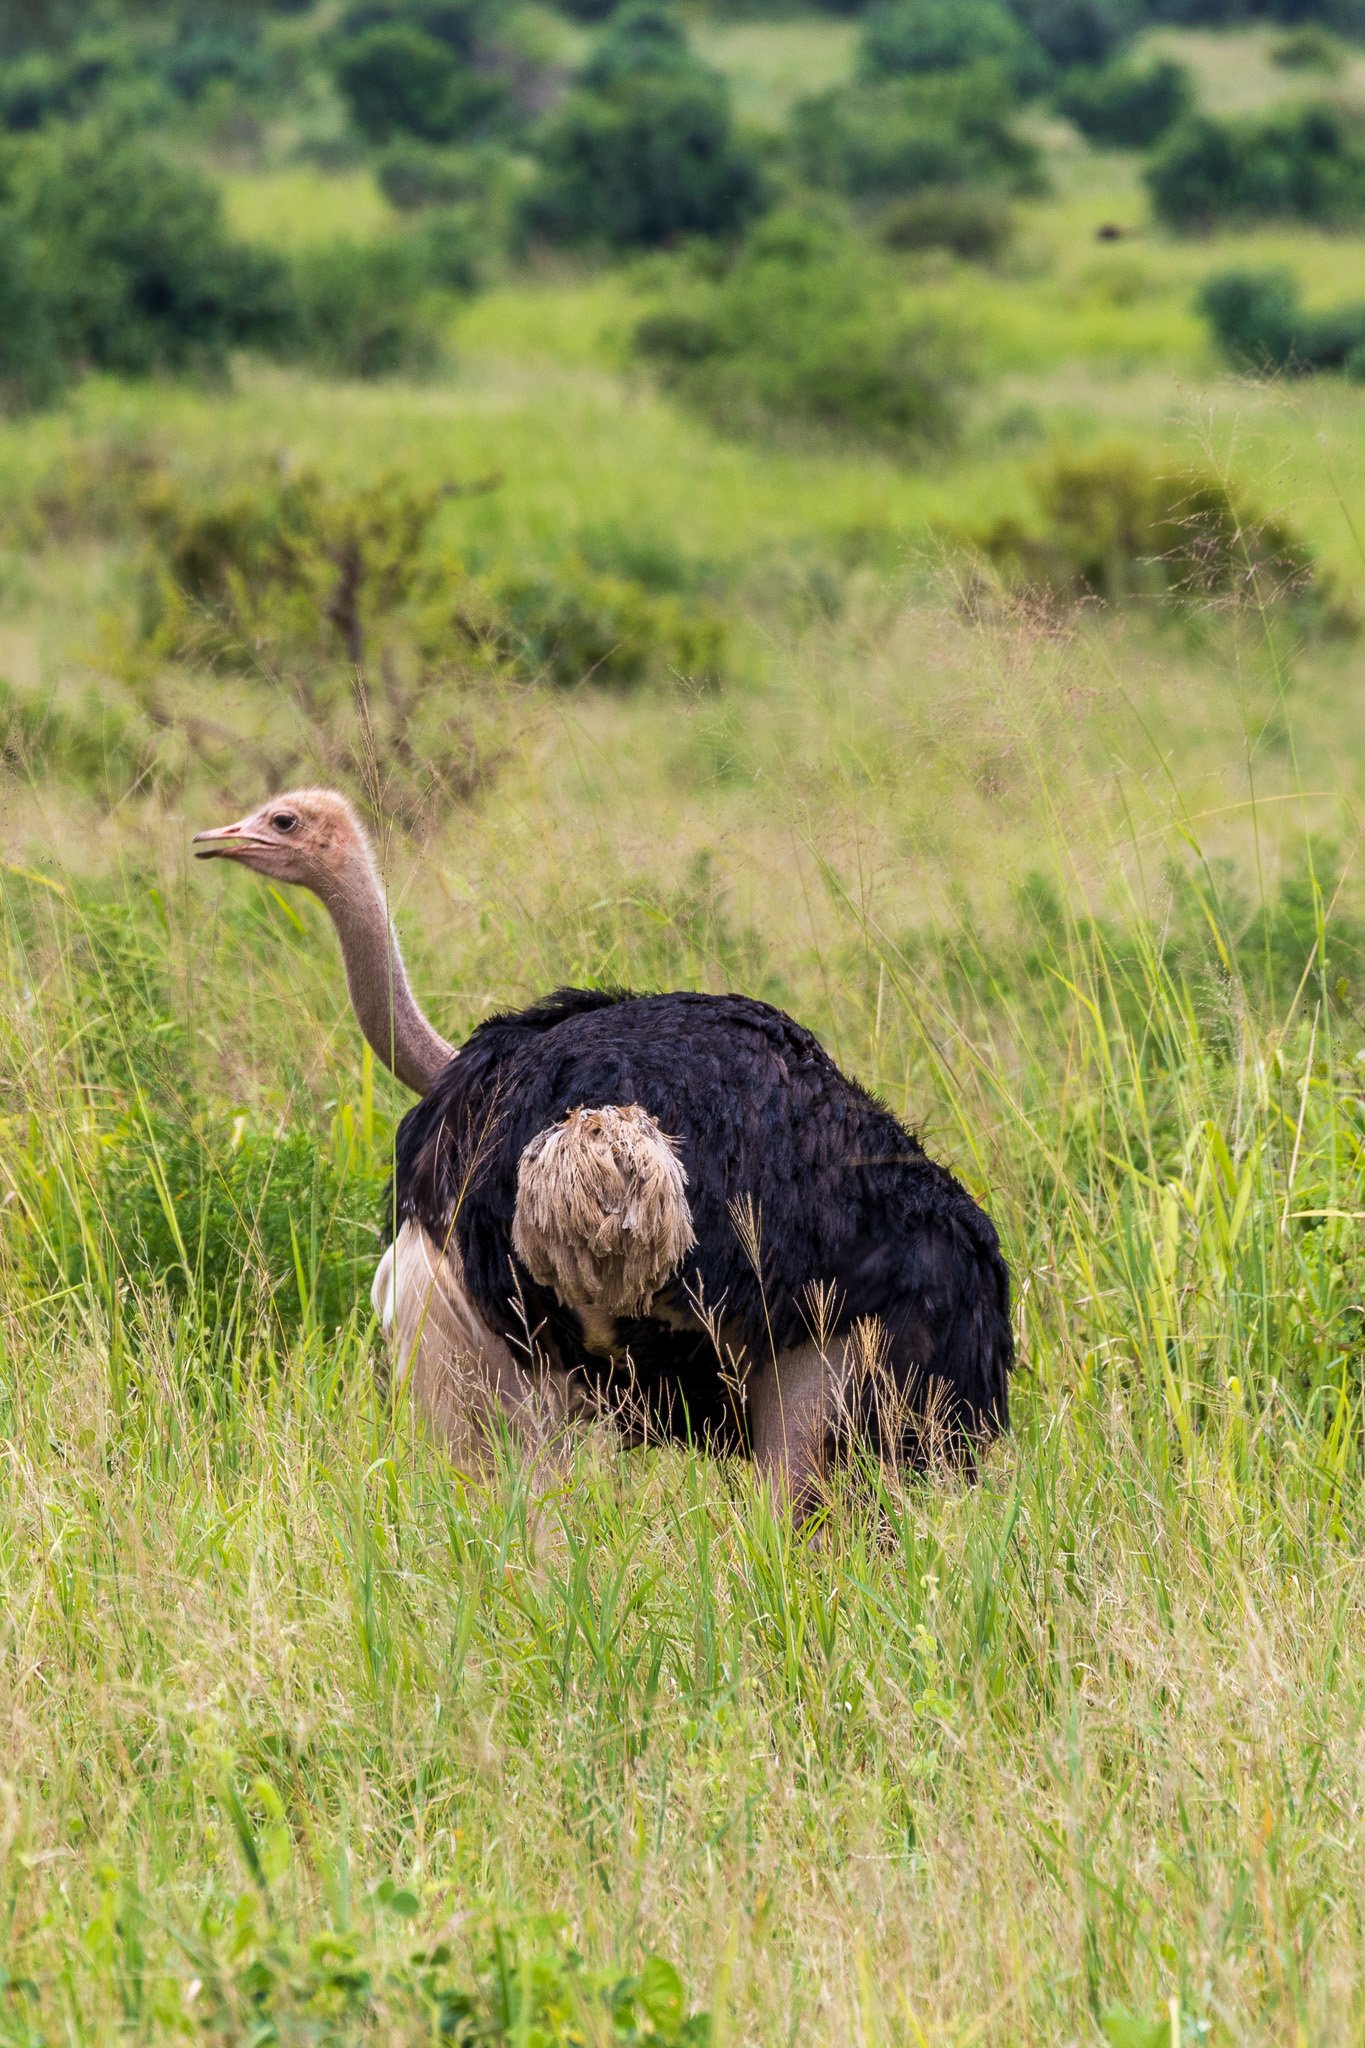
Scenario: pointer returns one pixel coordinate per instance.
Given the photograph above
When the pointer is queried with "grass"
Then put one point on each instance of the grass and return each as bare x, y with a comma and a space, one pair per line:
304, 1736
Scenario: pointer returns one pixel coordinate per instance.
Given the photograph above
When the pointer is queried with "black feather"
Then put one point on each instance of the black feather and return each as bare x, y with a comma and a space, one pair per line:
843, 1196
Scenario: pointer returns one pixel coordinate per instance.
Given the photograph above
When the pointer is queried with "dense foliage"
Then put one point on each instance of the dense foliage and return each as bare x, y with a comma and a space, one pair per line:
912, 37
876, 141
123, 262
1260, 324
1307, 163
645, 149
1125, 106
1111, 524
806, 326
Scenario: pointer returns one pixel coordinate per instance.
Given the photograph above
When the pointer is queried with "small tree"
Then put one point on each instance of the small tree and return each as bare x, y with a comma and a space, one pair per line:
651, 159
809, 325
133, 261
399, 80
1126, 107
30, 369
1307, 163
913, 37
1078, 31
878, 141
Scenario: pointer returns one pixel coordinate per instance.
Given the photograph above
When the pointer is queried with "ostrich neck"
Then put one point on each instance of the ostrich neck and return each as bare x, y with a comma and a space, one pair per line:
385, 1007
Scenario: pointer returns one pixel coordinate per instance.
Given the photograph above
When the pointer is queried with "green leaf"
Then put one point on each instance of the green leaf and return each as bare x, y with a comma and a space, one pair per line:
1125, 2030
661, 1994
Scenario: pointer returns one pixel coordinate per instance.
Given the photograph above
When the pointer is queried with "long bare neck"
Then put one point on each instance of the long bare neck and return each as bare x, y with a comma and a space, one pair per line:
385, 1007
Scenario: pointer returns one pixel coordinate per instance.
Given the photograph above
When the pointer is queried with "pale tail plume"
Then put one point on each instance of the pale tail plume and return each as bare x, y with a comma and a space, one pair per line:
602, 1215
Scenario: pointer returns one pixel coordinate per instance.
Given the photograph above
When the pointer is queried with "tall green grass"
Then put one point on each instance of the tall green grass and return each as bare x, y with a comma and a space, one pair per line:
1072, 1754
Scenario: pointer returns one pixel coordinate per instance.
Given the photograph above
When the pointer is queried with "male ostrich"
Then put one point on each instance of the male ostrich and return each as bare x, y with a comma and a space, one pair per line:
673, 1206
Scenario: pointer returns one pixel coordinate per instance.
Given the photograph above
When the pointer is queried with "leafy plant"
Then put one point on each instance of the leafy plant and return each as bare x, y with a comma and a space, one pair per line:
573, 625
129, 262
1307, 163
1310, 48
972, 221
912, 37
397, 79
874, 141
644, 162
1124, 106
364, 309
1114, 525
1259, 324
806, 325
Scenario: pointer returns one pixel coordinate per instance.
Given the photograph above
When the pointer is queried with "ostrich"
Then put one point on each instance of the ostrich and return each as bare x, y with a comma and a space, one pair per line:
674, 1206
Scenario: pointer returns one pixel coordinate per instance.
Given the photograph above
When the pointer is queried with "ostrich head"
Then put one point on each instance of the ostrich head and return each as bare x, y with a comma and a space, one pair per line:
313, 839
310, 837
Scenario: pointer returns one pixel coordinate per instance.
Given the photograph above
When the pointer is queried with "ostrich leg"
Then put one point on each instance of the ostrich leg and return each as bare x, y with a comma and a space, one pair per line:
793, 1402
465, 1379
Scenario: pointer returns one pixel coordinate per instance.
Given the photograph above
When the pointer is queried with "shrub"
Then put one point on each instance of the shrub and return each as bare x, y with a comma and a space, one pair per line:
31, 371
909, 37
364, 309
280, 564
1126, 107
573, 625
32, 90
397, 79
644, 36
1078, 31
1309, 48
1307, 163
94, 745
806, 325
216, 54
877, 140
1113, 525
298, 570
413, 174
133, 263
970, 220
651, 159
1258, 323
459, 24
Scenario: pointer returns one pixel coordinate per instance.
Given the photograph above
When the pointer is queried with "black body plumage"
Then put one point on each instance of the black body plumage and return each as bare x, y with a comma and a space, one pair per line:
843, 1195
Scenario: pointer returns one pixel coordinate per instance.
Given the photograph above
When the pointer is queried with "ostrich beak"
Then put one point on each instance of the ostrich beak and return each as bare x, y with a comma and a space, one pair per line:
225, 842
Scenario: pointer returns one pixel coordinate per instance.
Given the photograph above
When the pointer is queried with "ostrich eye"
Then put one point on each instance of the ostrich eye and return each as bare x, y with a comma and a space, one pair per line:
284, 821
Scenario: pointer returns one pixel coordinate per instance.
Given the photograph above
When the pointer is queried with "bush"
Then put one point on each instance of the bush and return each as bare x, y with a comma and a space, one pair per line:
365, 309
32, 90
1307, 163
1259, 324
31, 371
807, 325
640, 37
912, 37
1124, 107
1310, 48
93, 745
399, 80
652, 159
216, 54
1113, 525
877, 140
302, 572
972, 221
572, 625
1078, 31
413, 174
132, 263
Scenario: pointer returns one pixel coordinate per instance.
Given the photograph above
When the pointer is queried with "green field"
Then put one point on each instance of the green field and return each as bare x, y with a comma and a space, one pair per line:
304, 1729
